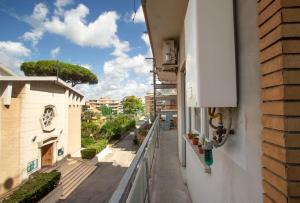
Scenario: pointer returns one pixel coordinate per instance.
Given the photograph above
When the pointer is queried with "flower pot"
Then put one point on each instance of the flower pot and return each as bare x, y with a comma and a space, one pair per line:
190, 135
195, 140
201, 151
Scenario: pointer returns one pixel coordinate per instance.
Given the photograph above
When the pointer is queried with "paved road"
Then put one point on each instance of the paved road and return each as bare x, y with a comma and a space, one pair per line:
100, 185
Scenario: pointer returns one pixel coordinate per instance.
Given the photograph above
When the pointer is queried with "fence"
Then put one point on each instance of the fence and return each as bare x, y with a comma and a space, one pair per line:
134, 186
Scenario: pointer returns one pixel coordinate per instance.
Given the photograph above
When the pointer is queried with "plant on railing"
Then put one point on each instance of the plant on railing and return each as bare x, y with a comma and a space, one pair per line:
195, 139
190, 135
141, 134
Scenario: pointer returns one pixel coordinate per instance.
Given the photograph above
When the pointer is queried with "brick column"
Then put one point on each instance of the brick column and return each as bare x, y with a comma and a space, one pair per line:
279, 34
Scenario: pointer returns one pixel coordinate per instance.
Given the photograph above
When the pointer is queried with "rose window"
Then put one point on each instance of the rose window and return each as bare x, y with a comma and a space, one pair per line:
48, 117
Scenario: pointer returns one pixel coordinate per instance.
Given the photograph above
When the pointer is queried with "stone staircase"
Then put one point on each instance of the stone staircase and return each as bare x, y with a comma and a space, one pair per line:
71, 180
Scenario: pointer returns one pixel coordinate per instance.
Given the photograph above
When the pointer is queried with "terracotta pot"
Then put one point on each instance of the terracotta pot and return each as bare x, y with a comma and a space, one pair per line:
200, 149
195, 140
190, 135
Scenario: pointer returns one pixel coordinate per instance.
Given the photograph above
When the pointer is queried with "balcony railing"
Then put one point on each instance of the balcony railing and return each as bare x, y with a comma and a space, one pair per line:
134, 186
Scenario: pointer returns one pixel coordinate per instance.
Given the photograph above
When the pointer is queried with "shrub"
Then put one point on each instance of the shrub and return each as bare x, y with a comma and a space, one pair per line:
35, 188
115, 127
99, 145
88, 128
86, 141
136, 140
88, 153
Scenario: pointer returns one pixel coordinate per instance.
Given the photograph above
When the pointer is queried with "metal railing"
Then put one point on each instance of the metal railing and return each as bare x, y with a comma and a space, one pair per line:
134, 186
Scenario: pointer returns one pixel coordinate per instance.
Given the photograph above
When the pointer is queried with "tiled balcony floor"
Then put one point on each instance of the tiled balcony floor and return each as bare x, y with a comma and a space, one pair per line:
167, 185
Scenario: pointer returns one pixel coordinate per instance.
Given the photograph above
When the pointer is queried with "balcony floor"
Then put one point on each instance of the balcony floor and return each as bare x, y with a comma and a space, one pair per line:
167, 184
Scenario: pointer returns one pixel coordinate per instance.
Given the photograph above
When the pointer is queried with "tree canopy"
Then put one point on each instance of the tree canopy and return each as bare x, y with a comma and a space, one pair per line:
132, 105
70, 73
106, 110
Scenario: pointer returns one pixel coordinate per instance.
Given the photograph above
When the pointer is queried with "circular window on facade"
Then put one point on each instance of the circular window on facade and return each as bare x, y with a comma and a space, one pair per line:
48, 118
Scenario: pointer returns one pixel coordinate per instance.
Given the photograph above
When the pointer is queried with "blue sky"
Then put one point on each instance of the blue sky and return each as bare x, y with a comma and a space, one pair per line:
97, 34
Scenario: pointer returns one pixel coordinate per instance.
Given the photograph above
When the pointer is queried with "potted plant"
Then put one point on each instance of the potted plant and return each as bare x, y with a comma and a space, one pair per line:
195, 139
190, 135
200, 148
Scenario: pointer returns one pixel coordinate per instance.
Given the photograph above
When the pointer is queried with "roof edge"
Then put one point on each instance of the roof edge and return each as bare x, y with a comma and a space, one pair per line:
54, 79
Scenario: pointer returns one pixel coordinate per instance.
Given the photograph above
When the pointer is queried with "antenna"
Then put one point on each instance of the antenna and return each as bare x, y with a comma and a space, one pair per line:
134, 11
57, 70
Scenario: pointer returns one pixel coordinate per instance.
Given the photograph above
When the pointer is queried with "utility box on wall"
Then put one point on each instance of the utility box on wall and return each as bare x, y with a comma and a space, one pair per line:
210, 54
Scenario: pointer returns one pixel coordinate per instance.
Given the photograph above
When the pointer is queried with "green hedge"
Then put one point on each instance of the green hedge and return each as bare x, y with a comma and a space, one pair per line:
35, 188
88, 153
98, 145
114, 128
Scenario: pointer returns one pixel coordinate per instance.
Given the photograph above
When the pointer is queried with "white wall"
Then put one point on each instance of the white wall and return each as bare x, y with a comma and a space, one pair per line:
236, 172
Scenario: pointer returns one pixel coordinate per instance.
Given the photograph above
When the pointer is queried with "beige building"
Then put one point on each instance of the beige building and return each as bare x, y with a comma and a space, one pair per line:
40, 119
149, 103
112, 103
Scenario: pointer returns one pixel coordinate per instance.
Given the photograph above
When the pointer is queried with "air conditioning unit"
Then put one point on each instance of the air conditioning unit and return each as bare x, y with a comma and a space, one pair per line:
169, 53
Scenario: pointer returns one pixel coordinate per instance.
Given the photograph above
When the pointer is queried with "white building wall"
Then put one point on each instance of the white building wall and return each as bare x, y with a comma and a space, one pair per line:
236, 173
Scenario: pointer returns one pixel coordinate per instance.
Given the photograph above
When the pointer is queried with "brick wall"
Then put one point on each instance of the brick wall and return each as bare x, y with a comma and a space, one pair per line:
279, 33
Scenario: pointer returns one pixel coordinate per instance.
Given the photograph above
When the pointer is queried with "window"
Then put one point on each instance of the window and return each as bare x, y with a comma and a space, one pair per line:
31, 166
48, 118
196, 120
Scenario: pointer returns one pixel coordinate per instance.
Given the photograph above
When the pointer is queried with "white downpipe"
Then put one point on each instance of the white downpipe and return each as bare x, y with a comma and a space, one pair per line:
7, 95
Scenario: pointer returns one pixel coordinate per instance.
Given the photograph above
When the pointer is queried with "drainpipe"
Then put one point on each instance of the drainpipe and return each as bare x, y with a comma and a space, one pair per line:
154, 85
154, 89
8, 95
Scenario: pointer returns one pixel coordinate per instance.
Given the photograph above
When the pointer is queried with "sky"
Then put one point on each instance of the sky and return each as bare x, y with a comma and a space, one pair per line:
100, 35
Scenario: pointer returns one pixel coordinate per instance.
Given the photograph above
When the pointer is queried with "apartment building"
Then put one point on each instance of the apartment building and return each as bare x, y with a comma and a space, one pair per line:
241, 59
149, 103
115, 104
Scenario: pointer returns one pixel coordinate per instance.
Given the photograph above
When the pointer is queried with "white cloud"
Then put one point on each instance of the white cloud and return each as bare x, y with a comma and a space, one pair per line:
12, 54
34, 36
36, 20
100, 33
124, 75
63, 3
60, 6
114, 90
55, 52
73, 25
138, 17
145, 38
87, 66
39, 15
121, 66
